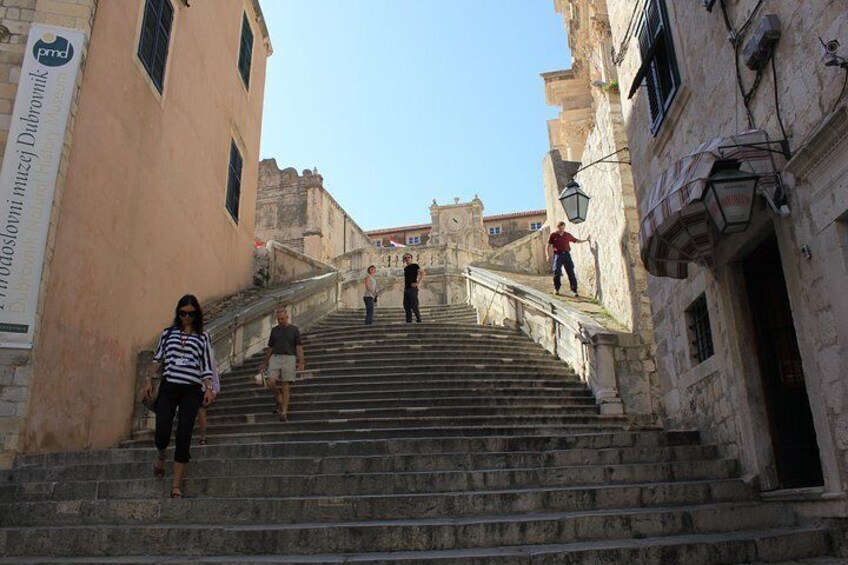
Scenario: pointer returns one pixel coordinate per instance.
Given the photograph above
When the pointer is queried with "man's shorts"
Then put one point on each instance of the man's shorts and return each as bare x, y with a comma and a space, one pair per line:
281, 368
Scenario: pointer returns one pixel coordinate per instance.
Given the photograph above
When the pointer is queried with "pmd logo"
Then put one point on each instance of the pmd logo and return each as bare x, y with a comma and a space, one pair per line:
53, 50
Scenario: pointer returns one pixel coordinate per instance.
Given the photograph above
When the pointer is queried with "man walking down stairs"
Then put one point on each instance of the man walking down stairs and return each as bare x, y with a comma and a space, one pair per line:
441, 443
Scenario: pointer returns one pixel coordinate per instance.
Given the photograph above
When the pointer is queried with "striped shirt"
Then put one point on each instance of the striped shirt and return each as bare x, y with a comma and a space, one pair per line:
187, 358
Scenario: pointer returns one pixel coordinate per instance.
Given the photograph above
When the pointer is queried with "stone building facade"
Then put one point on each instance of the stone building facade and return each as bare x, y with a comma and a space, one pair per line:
149, 202
752, 326
297, 211
590, 127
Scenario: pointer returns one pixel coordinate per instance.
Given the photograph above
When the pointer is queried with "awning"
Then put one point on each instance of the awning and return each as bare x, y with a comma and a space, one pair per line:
676, 228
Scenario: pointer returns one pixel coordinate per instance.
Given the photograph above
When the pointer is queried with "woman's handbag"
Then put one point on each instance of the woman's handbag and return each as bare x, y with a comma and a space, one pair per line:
151, 402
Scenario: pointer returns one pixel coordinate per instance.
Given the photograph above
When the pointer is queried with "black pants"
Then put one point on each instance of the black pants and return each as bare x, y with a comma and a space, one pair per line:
188, 399
564, 260
410, 304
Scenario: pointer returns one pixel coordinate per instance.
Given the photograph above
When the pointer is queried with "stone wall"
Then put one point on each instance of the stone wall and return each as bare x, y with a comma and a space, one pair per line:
276, 263
723, 396
298, 212
590, 128
615, 363
526, 255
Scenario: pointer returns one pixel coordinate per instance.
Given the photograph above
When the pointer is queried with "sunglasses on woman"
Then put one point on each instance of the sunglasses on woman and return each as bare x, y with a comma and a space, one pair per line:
188, 313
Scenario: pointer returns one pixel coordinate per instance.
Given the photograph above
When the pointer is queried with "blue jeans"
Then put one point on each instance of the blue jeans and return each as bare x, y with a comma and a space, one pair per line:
561, 260
369, 309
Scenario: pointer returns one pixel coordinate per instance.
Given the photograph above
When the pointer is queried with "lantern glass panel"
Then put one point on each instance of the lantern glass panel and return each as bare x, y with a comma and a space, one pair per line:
729, 199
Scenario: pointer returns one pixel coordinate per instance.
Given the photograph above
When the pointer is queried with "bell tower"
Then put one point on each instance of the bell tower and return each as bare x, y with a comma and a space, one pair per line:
460, 223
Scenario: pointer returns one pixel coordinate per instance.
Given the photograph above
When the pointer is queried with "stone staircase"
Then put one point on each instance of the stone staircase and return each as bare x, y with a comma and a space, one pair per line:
443, 443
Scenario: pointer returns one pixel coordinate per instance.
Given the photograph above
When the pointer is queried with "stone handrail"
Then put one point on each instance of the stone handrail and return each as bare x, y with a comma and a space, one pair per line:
572, 336
242, 332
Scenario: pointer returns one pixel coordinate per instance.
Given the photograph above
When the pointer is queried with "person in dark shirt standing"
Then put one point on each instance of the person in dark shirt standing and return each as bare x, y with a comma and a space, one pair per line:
560, 244
413, 276
283, 357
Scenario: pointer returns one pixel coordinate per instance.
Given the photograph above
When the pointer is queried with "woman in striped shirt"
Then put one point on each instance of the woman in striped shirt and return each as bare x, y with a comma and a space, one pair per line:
185, 355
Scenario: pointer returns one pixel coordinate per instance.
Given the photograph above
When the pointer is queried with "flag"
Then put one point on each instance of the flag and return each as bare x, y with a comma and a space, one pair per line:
393, 243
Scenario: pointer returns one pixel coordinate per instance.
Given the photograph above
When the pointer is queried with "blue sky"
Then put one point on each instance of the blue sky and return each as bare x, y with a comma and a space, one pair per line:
398, 102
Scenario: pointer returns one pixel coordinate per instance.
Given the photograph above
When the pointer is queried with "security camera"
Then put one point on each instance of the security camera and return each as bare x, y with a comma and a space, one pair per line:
832, 47
831, 54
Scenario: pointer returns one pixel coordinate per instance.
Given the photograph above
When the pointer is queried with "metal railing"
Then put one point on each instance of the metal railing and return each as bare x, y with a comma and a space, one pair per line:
593, 359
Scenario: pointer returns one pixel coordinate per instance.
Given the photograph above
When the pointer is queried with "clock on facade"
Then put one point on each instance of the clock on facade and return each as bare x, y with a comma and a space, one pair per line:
455, 221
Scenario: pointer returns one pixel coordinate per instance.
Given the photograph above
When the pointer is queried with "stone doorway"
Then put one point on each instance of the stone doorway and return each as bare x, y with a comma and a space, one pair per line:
791, 428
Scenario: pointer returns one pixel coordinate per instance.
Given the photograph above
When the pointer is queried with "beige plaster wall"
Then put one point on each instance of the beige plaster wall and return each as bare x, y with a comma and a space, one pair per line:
722, 396
141, 219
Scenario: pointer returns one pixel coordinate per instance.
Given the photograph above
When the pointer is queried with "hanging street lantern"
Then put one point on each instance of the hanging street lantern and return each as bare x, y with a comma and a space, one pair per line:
575, 202
729, 196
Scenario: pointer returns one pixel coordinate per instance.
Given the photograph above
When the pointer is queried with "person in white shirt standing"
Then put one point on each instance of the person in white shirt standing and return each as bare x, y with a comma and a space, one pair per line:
370, 296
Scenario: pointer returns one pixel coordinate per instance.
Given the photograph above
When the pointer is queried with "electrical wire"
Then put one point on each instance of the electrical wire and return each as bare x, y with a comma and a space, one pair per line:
777, 97
841, 92
617, 58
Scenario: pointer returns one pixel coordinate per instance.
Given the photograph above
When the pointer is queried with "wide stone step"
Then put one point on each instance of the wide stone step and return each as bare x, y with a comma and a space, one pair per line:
399, 313
262, 433
418, 352
380, 446
156, 506
799, 544
390, 535
221, 415
225, 405
353, 379
423, 331
436, 394
421, 358
438, 385
402, 462
261, 423
358, 484
386, 317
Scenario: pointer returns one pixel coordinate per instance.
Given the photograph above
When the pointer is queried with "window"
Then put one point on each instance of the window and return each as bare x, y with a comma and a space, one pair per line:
155, 36
378, 243
535, 226
659, 65
414, 240
700, 335
234, 182
245, 51
494, 231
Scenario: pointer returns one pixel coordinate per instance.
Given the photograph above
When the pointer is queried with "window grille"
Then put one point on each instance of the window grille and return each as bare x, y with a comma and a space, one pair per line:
245, 51
699, 329
535, 226
414, 240
378, 243
154, 39
494, 231
234, 182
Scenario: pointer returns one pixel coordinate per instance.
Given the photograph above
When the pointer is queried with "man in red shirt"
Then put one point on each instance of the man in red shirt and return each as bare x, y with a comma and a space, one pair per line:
560, 243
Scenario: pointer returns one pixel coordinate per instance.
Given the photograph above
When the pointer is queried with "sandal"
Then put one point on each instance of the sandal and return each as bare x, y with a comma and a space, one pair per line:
159, 470
176, 492
202, 441
284, 417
